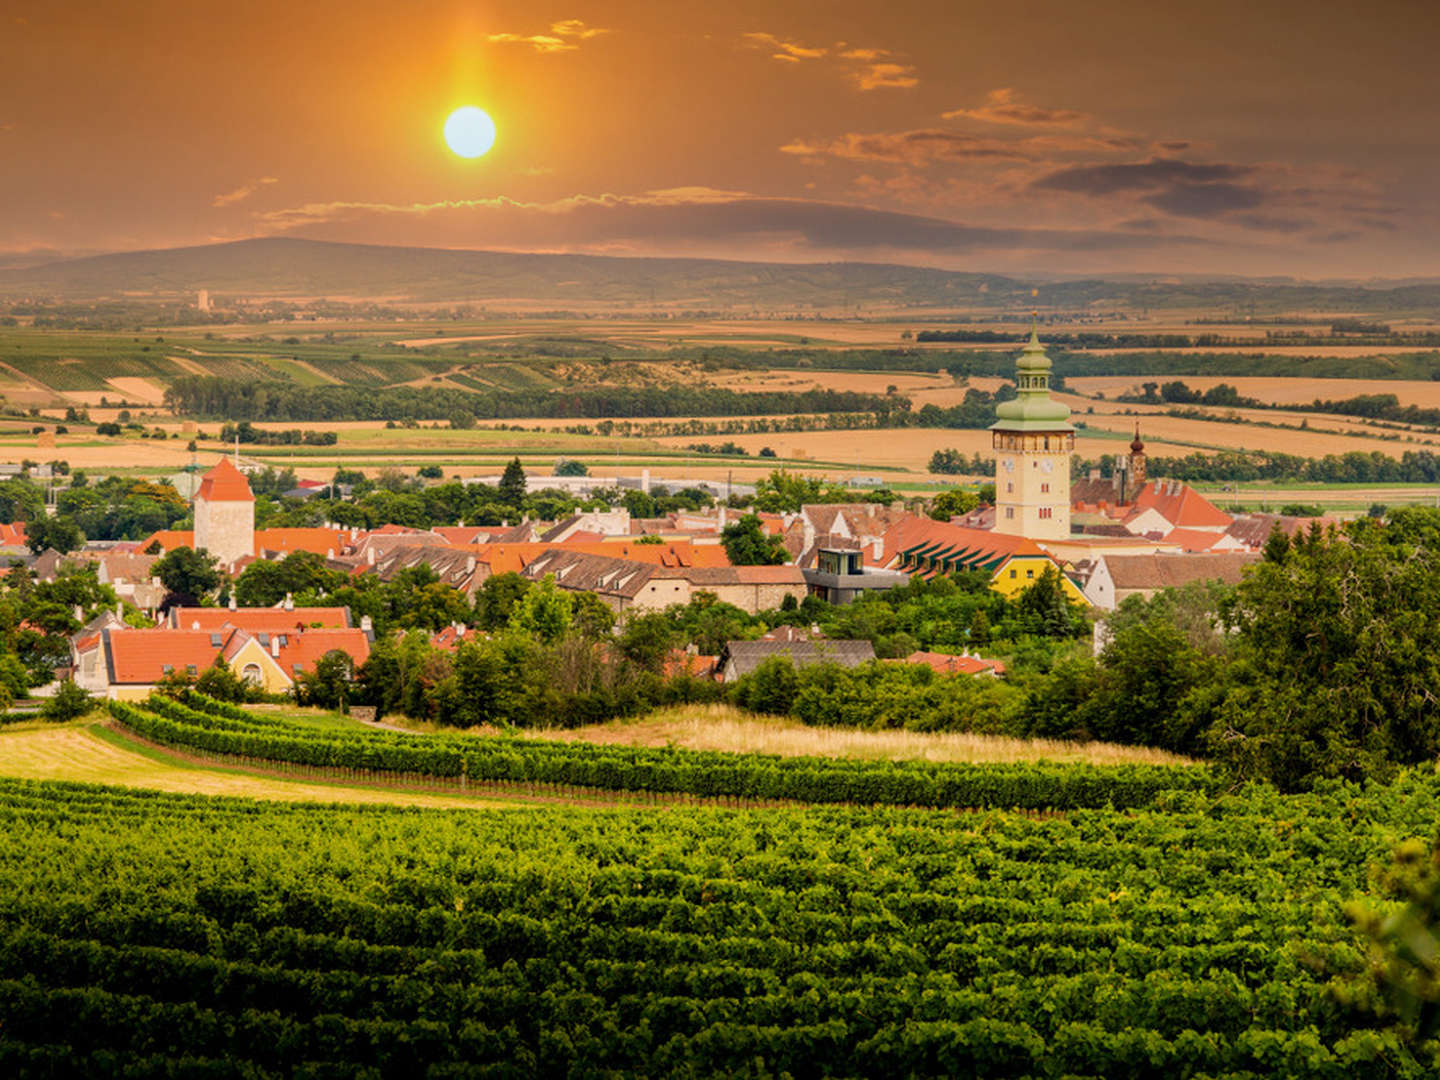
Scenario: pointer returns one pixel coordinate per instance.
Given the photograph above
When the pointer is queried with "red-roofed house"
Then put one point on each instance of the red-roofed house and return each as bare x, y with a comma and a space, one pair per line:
258, 619
920, 546
127, 664
945, 664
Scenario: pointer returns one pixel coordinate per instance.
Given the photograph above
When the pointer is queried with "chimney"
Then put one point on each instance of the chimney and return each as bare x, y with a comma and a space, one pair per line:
370, 554
120, 608
366, 626
470, 564
289, 602
79, 613
195, 624
645, 481
1094, 474
275, 646
232, 602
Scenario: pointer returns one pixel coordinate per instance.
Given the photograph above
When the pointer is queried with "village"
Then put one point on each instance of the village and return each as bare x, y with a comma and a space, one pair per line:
1102, 539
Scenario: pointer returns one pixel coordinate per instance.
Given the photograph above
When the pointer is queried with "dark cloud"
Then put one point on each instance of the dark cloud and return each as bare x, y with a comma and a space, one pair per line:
697, 221
1205, 190
1142, 176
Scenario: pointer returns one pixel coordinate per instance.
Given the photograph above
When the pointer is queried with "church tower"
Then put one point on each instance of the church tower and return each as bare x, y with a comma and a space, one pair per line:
1033, 442
225, 514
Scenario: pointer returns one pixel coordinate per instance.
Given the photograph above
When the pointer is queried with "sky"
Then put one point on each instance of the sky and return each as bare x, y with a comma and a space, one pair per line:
1264, 137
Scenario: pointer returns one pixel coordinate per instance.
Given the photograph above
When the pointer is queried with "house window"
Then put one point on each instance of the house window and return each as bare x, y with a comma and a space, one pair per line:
1009, 511
1030, 573
1044, 489
1044, 511
190, 669
1009, 488
167, 668
250, 673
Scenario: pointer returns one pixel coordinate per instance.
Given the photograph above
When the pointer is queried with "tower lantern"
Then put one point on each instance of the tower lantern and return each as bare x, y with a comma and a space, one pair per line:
1033, 440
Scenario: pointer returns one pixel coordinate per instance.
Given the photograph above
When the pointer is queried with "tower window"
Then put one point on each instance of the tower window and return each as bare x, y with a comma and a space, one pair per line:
1045, 511
1044, 488
1009, 511
1009, 488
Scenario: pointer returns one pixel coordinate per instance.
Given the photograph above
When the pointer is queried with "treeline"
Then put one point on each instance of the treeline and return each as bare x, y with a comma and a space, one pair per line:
236, 399
1342, 332
247, 432
1353, 467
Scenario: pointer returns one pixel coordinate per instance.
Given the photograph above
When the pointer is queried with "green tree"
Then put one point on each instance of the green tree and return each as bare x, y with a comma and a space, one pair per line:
1045, 609
497, 598
512, 487
188, 574
544, 612
328, 686
59, 533
566, 467
747, 544
69, 702
647, 640
1335, 655
953, 503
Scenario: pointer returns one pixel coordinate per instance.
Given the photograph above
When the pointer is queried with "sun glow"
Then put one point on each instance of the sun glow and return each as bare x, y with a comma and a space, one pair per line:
469, 131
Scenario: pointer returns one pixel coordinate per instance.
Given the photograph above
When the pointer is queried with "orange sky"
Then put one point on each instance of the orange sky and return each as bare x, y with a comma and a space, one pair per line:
1269, 136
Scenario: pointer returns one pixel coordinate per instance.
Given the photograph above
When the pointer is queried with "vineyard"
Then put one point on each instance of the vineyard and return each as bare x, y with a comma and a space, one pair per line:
212, 728
150, 934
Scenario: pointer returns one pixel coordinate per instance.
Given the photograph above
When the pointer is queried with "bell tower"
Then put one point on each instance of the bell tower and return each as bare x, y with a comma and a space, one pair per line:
1033, 441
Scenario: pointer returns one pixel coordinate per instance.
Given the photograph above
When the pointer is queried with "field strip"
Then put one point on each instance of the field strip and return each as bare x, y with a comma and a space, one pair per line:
189, 365
82, 755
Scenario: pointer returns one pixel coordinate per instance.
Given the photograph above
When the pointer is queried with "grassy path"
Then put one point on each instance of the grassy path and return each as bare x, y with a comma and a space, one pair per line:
88, 754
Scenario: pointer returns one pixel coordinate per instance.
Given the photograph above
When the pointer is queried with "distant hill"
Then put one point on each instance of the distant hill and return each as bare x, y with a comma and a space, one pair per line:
288, 267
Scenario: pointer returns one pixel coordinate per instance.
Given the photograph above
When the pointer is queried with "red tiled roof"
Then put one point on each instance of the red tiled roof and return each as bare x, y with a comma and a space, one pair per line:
1194, 540
12, 533
513, 558
1181, 505
945, 664
283, 541
915, 532
141, 656
450, 638
306, 648
257, 620
225, 483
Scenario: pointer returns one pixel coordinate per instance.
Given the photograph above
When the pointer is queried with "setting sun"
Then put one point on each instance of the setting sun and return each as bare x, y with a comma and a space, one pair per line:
469, 131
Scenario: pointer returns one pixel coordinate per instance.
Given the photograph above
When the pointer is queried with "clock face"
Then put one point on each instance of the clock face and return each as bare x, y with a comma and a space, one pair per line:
1009, 464
1047, 466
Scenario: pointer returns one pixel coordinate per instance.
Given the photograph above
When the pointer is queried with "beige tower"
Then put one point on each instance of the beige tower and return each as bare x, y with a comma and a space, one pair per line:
1033, 442
225, 514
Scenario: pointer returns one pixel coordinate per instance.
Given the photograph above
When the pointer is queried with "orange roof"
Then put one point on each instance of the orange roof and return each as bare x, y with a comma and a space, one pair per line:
169, 539
915, 532
1194, 539
1181, 505
513, 558
147, 656
12, 533
954, 665
300, 651
225, 483
318, 541
257, 620
142, 656
450, 638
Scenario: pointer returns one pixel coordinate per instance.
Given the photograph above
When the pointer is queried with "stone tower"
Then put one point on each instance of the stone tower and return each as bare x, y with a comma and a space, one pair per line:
225, 514
1033, 441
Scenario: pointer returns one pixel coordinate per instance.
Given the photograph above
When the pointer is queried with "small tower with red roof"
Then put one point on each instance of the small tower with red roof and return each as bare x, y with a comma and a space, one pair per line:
225, 514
